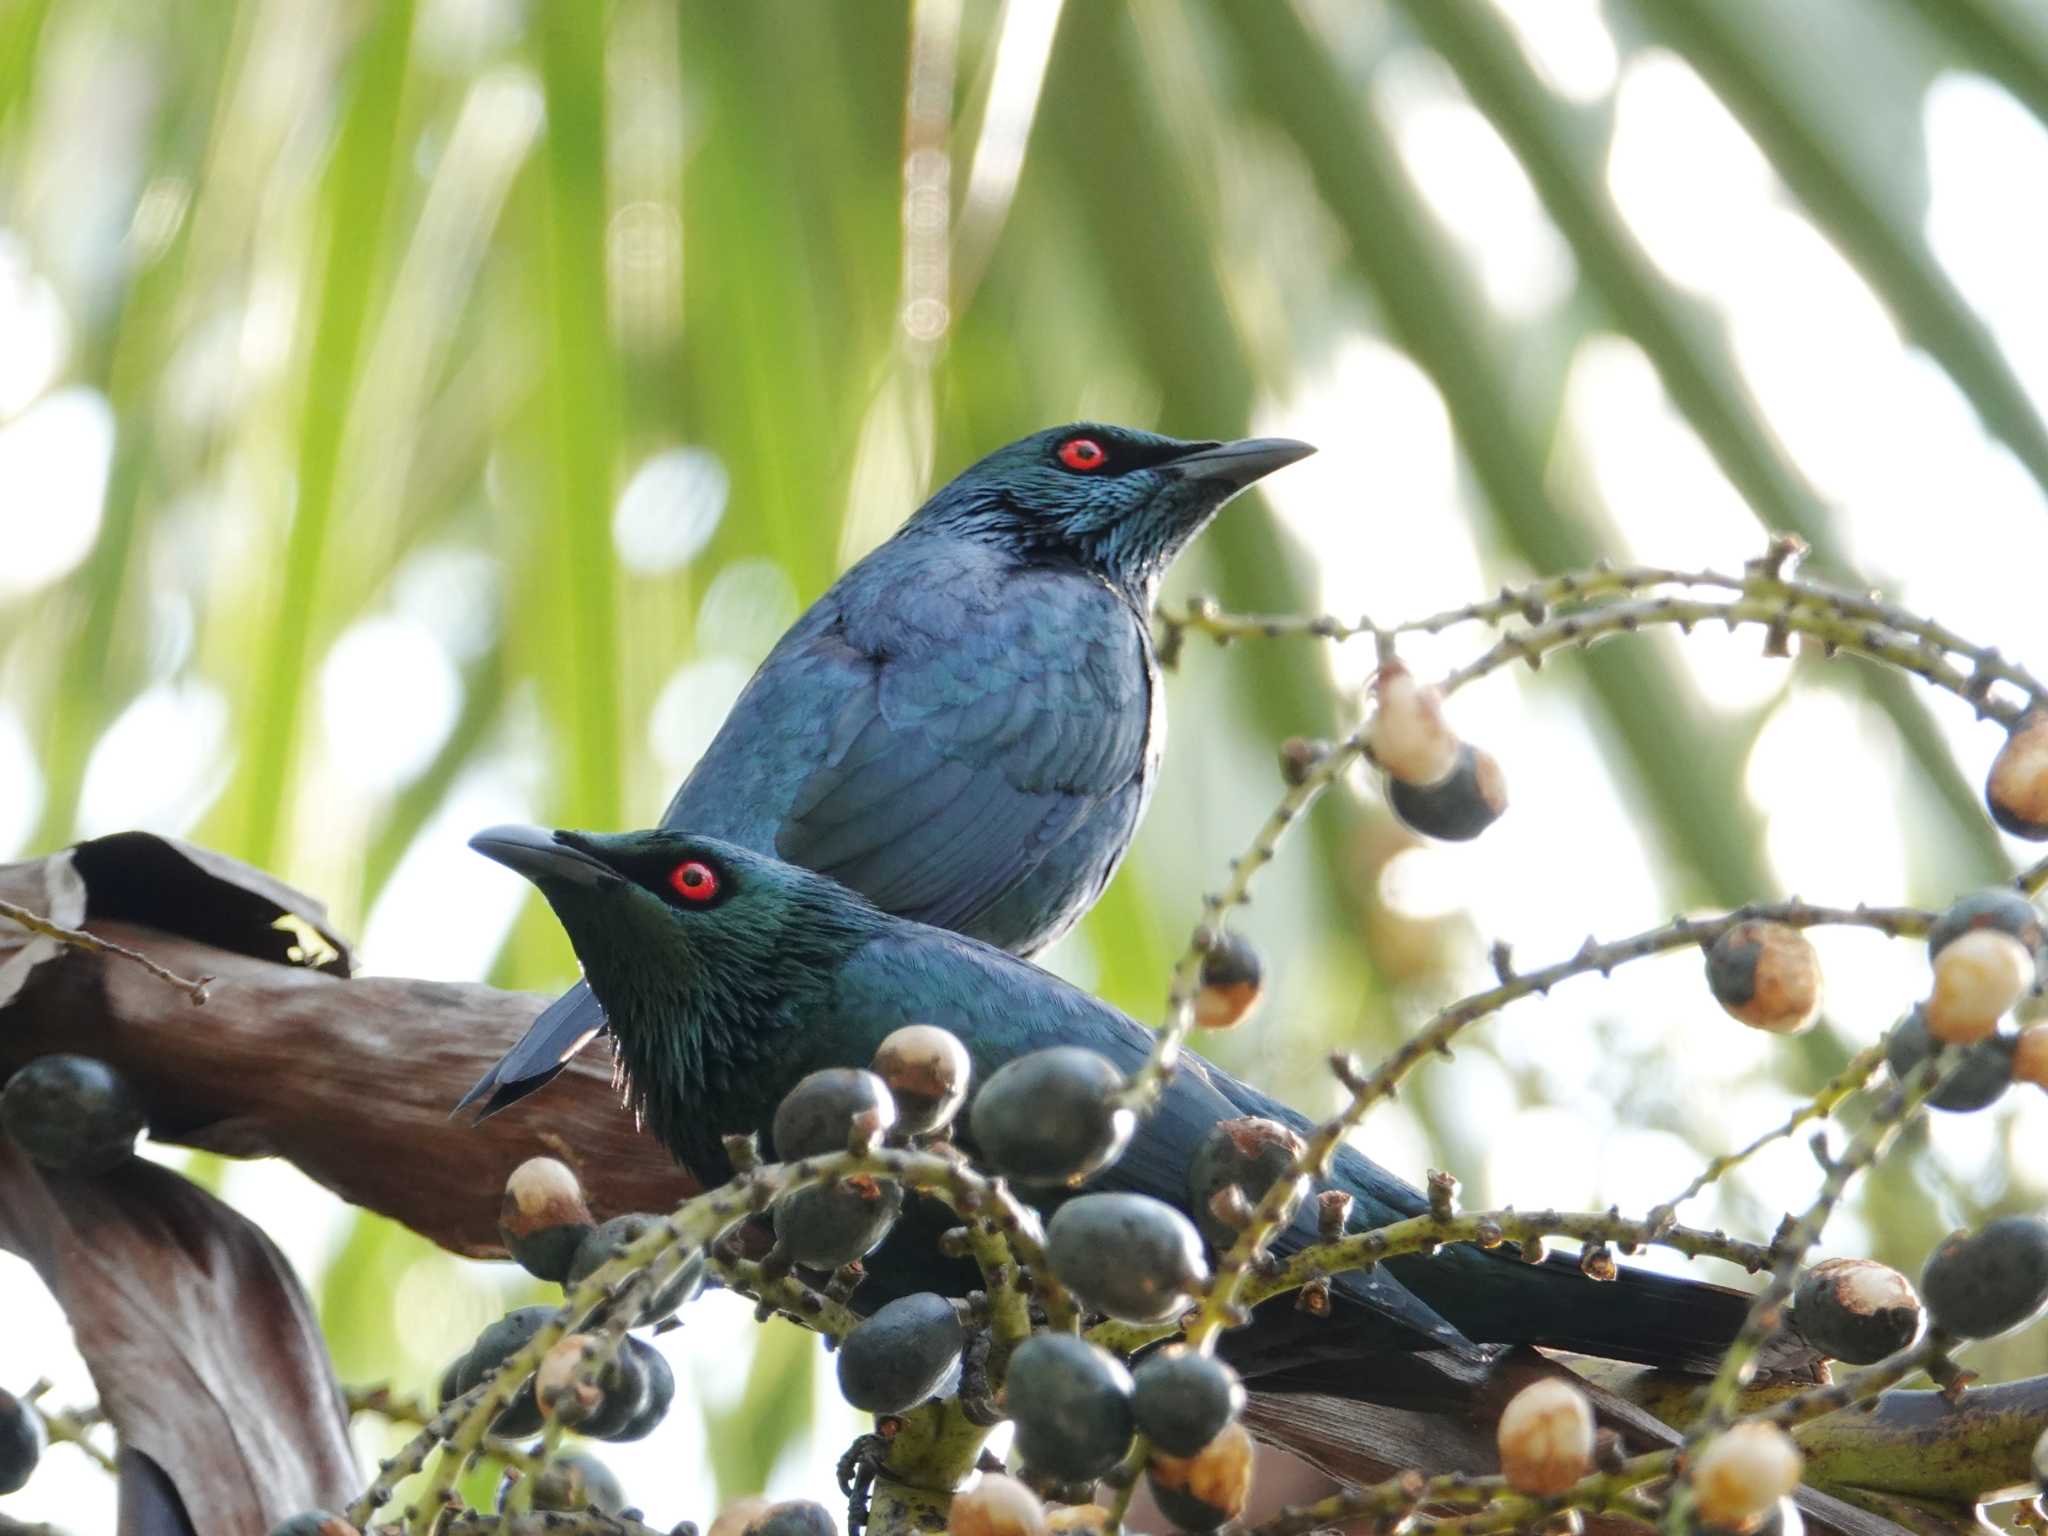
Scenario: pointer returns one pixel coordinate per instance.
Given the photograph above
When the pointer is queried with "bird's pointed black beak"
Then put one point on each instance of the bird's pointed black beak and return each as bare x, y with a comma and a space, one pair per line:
1239, 464
570, 1022
541, 855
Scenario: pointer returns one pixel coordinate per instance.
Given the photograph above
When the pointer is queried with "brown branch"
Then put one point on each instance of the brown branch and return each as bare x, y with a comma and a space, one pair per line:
78, 938
349, 1079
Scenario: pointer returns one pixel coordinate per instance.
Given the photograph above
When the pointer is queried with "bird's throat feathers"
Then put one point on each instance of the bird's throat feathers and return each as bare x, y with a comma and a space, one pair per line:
1130, 548
701, 1011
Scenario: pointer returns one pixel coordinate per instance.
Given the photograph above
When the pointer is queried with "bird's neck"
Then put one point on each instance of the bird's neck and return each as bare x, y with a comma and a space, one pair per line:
1129, 560
704, 1040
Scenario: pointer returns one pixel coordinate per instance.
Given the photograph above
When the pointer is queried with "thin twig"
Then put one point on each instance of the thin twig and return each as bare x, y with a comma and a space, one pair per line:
1580, 606
1428, 1232
78, 938
1853, 1076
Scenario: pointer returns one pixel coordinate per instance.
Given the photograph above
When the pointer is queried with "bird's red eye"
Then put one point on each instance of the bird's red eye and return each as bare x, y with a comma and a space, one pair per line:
1083, 454
694, 880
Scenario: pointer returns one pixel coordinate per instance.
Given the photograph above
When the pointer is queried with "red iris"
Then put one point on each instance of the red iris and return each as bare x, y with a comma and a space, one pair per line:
694, 880
1083, 454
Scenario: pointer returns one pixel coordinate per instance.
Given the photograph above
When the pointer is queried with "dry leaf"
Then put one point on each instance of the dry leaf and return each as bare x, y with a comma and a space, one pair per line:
205, 1352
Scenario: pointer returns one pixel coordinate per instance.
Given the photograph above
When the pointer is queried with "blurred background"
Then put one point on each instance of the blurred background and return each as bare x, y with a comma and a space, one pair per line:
420, 415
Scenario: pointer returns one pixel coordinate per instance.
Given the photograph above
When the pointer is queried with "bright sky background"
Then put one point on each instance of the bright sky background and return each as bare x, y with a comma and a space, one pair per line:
1932, 508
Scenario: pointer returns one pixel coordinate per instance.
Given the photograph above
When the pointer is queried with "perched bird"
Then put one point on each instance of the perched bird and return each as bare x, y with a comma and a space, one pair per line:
728, 976
965, 728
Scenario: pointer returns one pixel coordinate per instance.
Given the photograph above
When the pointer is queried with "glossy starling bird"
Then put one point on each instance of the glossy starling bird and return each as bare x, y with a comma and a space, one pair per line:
728, 977
965, 728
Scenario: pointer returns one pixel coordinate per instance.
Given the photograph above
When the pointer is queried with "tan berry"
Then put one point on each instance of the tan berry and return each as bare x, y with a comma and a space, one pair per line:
927, 1069
1738, 1475
1080, 1519
2017, 789
1546, 1438
998, 1506
1407, 732
2030, 1056
1232, 979
543, 1219
1766, 975
1978, 976
1203, 1491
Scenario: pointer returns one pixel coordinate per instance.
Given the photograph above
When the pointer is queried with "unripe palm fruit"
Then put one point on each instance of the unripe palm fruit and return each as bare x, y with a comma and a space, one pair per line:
495, 1345
927, 1070
1982, 1285
75, 1114
1856, 1310
1978, 977
1248, 1153
635, 1383
1183, 1399
1985, 1075
1546, 1438
827, 1225
1407, 733
793, 1517
450, 1387
1740, 1474
639, 1389
901, 1355
736, 1516
1766, 975
817, 1116
497, 1342
997, 1506
1459, 807
1051, 1117
21, 1441
522, 1416
2016, 791
542, 1218
1998, 907
1202, 1491
579, 1481
1232, 979
611, 1239
1072, 1406
1129, 1255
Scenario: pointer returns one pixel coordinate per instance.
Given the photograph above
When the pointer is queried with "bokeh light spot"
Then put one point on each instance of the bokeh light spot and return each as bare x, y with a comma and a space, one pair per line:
670, 509
53, 479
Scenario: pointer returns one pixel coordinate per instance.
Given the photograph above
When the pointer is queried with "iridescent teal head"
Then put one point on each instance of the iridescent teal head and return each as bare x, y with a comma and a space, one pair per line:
701, 952
1113, 500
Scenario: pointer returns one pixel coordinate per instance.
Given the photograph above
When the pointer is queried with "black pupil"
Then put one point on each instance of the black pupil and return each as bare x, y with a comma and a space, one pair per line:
693, 876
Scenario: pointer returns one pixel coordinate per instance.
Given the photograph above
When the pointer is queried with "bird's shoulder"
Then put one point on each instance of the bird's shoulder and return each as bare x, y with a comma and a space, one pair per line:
1000, 1006
928, 596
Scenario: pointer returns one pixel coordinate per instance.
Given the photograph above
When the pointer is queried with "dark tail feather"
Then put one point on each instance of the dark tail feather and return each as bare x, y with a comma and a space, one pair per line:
564, 1027
1640, 1316
1363, 1442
